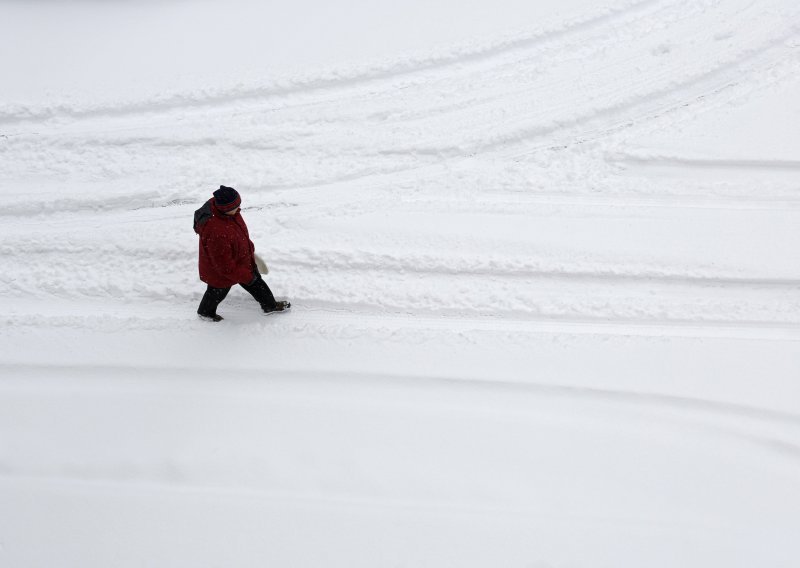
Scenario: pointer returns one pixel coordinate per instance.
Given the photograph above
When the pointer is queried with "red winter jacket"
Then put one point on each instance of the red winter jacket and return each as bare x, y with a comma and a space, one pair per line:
226, 251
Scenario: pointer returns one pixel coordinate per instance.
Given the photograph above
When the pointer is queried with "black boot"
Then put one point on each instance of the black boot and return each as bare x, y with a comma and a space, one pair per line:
263, 295
212, 317
280, 306
208, 305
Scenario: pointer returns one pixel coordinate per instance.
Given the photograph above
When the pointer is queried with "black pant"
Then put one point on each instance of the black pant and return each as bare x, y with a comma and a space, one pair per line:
258, 289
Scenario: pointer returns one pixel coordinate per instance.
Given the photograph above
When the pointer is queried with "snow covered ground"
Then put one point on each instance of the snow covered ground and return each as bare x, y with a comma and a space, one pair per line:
544, 261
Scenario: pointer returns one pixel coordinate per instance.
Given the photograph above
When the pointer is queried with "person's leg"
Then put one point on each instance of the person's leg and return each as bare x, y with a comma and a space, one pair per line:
211, 299
262, 294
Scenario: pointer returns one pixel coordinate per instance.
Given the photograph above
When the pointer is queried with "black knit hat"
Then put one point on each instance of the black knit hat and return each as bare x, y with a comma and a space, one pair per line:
227, 199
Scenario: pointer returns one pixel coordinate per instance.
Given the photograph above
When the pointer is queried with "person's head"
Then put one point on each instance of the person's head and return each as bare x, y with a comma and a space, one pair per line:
227, 200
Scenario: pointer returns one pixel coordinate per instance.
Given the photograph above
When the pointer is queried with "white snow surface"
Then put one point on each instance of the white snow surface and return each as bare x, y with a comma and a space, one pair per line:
544, 260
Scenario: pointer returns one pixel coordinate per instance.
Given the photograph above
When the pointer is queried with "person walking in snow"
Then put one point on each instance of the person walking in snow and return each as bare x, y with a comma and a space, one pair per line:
227, 255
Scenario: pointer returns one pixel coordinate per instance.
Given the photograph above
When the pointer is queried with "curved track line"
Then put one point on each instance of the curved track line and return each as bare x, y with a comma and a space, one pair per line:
421, 382
744, 165
339, 79
332, 318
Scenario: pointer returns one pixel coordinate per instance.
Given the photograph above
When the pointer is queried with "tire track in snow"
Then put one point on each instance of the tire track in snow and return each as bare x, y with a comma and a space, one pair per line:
617, 114
339, 79
761, 167
483, 398
364, 162
209, 377
447, 285
65, 260
338, 261
340, 318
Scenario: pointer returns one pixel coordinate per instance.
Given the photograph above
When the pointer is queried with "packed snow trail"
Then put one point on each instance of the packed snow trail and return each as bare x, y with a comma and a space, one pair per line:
545, 287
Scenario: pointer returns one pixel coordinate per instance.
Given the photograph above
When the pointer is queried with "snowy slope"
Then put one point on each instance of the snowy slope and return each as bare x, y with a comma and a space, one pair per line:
545, 272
